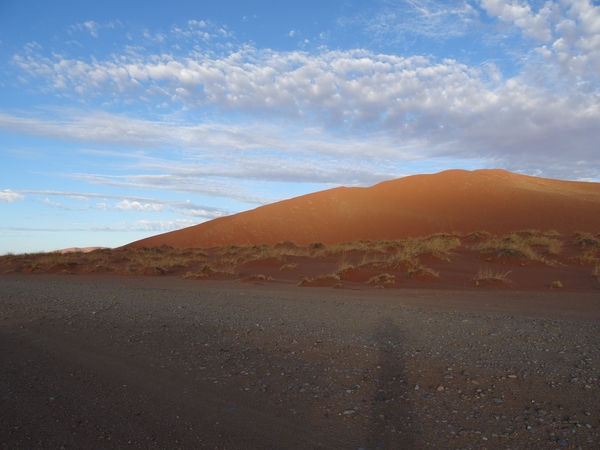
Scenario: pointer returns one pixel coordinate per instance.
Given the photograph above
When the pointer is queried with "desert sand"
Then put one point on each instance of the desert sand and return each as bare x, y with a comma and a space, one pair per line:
455, 201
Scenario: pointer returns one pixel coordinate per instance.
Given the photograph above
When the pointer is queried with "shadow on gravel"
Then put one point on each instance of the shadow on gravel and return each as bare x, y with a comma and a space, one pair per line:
389, 428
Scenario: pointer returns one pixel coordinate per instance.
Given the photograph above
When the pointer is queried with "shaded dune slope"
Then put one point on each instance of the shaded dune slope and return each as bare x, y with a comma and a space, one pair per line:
452, 201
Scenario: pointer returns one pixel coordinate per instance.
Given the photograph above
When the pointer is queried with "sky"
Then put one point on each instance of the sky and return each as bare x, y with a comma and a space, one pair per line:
122, 120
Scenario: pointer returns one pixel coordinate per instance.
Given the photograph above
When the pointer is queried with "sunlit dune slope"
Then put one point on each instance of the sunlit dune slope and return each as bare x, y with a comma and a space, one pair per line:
453, 201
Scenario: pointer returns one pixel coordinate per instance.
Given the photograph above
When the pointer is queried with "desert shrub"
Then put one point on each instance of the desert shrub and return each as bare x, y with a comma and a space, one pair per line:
404, 255
511, 245
552, 233
586, 239
587, 256
383, 278
343, 265
437, 245
372, 257
225, 265
333, 276
32, 265
477, 235
422, 271
304, 281
488, 275
176, 262
551, 245
288, 266
556, 285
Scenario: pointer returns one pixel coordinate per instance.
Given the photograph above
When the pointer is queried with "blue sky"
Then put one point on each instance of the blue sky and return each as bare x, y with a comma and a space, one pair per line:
121, 120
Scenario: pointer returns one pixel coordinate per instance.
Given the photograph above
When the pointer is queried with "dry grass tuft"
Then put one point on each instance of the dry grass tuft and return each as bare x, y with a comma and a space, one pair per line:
333, 276
422, 271
304, 281
552, 233
205, 271
556, 285
477, 235
551, 246
588, 256
383, 278
487, 275
288, 266
372, 258
100, 267
437, 245
521, 245
586, 239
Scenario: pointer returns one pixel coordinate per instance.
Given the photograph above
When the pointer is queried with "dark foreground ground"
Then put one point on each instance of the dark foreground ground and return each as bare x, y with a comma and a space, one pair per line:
111, 362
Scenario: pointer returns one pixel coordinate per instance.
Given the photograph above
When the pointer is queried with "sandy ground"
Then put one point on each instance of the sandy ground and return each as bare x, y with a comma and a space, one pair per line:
160, 362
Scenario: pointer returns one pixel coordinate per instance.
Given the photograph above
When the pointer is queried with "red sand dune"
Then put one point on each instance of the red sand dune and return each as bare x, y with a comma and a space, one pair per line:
453, 201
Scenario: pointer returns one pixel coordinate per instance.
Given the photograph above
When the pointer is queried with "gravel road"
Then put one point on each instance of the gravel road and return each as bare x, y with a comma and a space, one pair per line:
93, 362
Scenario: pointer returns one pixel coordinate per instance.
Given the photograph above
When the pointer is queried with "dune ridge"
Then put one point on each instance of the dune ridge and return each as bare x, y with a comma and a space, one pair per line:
451, 201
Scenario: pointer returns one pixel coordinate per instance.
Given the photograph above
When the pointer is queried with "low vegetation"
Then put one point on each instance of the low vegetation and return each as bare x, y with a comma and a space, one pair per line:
586, 239
526, 245
488, 275
378, 263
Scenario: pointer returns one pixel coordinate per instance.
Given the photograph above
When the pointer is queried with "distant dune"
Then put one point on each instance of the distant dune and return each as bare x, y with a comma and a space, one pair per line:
78, 249
452, 201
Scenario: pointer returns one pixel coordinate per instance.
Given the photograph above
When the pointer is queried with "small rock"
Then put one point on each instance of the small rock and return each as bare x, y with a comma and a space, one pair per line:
348, 412
441, 389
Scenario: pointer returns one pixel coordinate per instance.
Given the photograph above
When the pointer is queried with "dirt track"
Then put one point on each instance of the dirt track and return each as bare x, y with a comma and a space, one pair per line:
110, 362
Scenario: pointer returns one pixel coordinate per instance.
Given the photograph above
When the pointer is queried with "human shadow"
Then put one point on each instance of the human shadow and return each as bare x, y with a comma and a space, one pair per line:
390, 426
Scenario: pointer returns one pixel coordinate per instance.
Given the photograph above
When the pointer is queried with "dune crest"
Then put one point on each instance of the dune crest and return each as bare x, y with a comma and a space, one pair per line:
452, 201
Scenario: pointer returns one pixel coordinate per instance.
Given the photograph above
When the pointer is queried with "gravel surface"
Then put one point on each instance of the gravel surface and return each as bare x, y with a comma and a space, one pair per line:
97, 363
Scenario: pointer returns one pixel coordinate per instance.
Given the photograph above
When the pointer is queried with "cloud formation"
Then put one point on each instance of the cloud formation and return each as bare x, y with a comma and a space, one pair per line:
126, 205
132, 203
342, 103
9, 196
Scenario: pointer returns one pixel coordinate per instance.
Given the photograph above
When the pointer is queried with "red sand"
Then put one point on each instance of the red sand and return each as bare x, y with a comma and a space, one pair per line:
453, 201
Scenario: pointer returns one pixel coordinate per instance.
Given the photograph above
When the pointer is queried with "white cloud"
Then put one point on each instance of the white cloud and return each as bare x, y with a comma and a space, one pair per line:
90, 26
160, 225
59, 205
202, 213
569, 30
353, 104
397, 21
9, 196
126, 205
536, 25
177, 205
47, 201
